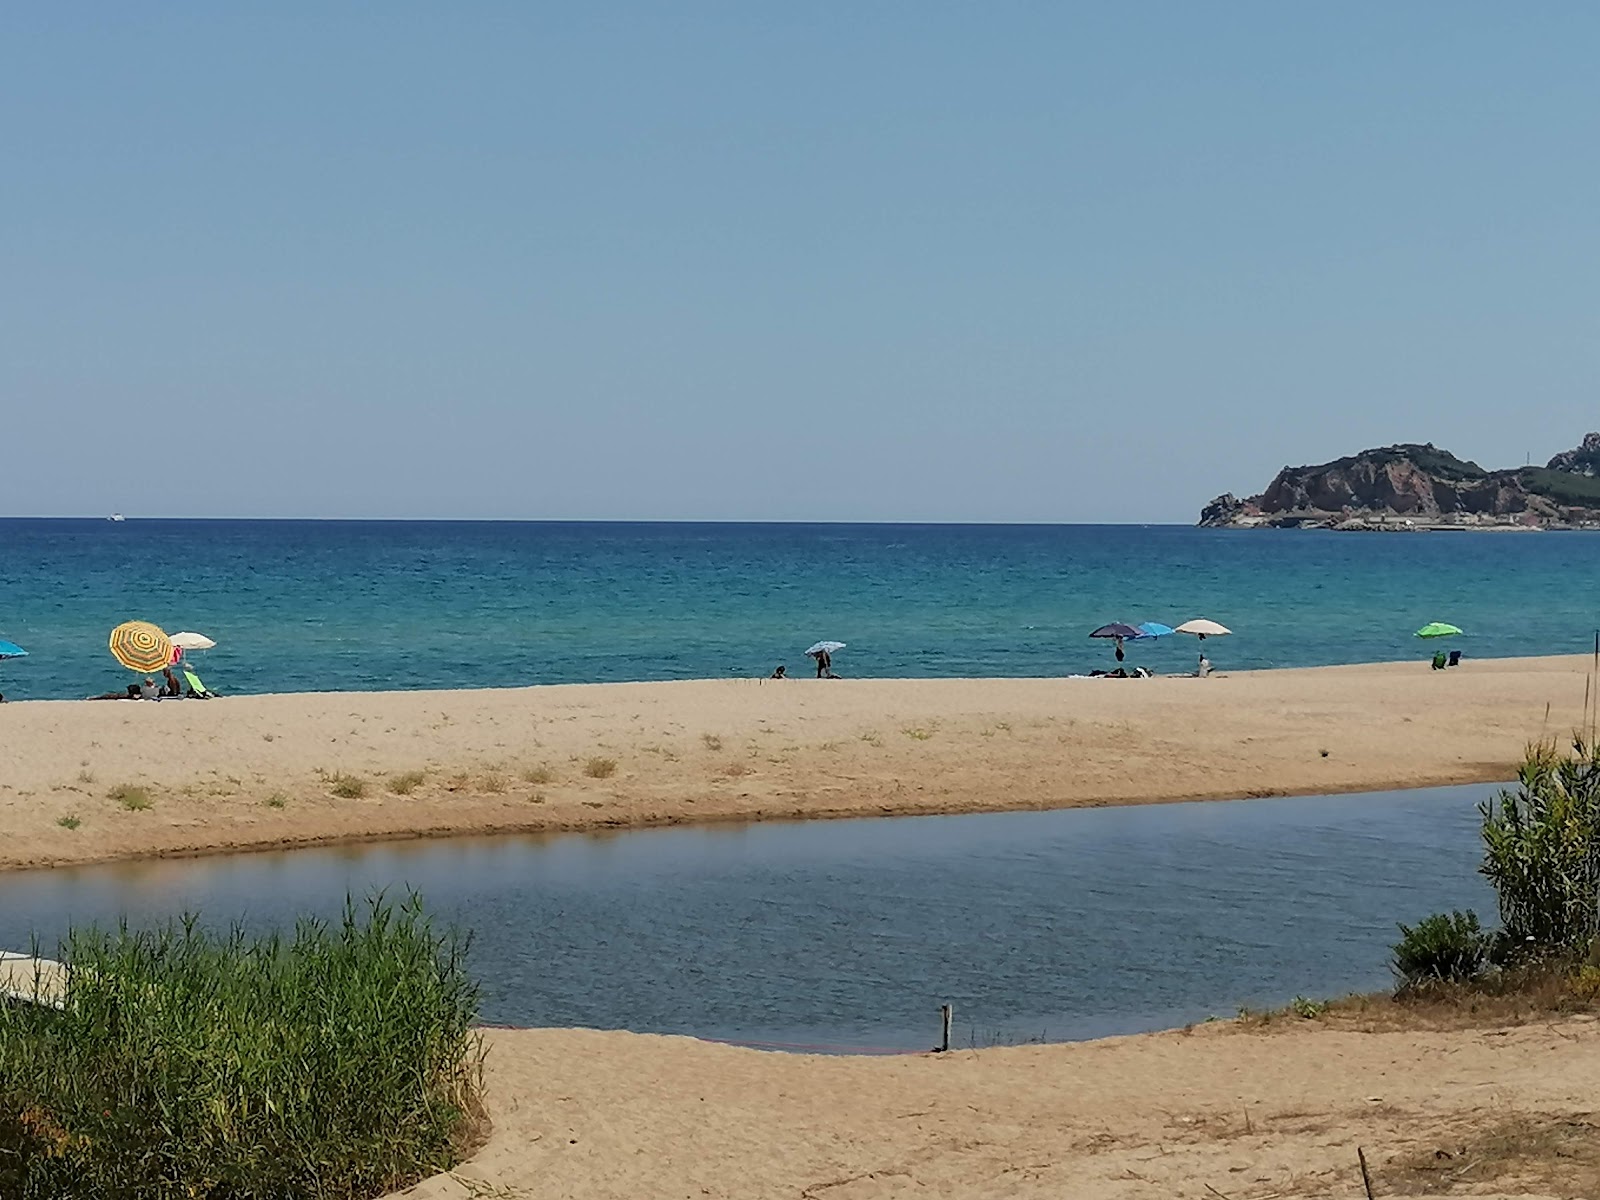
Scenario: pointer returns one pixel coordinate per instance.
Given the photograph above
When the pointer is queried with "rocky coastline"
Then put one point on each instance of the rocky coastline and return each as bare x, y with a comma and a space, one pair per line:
1411, 487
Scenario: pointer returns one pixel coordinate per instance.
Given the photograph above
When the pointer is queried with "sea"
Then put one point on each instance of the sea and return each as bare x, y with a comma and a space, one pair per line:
374, 605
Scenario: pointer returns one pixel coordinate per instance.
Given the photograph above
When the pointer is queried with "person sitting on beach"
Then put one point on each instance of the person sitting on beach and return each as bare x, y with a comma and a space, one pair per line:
780, 673
132, 693
171, 687
1204, 668
148, 691
1438, 660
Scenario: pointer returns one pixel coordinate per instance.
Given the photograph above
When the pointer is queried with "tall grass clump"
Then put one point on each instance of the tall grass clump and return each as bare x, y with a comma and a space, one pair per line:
339, 1062
1541, 850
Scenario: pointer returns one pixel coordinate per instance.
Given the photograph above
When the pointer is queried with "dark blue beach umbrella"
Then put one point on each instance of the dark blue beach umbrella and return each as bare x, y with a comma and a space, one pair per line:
1116, 630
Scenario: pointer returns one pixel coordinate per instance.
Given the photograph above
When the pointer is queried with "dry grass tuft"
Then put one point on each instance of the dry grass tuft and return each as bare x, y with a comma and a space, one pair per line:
600, 768
1507, 998
406, 783
494, 783
1534, 1151
712, 741
347, 787
131, 796
539, 775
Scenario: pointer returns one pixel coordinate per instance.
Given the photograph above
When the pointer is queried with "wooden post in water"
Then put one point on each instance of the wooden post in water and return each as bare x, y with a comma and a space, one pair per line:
945, 1014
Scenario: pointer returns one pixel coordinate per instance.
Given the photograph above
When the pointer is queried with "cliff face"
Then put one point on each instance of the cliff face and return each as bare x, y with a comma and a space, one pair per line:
1585, 460
1423, 484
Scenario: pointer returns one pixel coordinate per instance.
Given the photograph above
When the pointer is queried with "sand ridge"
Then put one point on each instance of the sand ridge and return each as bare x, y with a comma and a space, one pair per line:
286, 770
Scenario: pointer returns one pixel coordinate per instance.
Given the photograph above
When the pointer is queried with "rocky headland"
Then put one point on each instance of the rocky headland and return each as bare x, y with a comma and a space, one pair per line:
1410, 486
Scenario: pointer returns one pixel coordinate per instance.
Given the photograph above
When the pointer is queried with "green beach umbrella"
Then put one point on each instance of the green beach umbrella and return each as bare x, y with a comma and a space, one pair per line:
1435, 629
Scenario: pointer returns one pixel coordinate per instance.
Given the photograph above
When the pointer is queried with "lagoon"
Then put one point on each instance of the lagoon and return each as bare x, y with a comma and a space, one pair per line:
848, 935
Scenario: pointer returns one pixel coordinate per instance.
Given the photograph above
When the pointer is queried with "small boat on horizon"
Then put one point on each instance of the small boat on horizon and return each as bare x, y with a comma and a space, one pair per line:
116, 517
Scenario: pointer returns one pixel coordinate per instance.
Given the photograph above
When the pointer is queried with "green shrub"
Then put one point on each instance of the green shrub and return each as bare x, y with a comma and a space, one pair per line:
1542, 850
337, 1063
1443, 948
1308, 1009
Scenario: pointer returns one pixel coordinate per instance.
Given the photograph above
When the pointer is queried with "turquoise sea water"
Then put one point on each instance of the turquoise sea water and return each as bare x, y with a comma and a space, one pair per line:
321, 605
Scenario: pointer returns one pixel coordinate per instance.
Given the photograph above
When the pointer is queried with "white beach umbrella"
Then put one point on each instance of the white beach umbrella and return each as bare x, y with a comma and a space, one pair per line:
825, 648
192, 641
1202, 628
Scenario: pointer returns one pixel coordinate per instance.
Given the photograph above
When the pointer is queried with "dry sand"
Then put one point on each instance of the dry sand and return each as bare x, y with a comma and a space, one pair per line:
264, 771
1220, 1111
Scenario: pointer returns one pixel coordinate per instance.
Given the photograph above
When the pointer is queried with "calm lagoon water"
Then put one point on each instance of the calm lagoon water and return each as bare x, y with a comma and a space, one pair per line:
849, 934
320, 605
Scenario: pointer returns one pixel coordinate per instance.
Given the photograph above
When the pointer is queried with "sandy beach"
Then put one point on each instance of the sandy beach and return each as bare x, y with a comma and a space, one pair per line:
289, 770
1224, 1110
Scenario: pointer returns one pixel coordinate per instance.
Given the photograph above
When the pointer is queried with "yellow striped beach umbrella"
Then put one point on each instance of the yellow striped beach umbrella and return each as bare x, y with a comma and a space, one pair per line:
141, 646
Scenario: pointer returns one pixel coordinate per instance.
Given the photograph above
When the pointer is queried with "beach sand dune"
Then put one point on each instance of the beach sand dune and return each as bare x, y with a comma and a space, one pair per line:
1219, 1111
284, 770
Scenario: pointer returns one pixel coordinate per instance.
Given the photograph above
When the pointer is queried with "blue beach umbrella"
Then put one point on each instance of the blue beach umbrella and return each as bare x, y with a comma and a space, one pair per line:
1116, 630
12, 650
1153, 629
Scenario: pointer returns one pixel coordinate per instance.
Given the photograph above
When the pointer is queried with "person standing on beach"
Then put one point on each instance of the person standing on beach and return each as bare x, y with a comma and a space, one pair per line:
1120, 655
824, 664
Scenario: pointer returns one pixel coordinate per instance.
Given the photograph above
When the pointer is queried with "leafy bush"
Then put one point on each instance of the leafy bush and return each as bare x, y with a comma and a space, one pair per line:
338, 1063
1443, 948
1542, 850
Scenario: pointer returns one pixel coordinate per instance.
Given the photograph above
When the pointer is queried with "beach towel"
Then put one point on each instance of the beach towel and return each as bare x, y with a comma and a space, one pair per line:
196, 688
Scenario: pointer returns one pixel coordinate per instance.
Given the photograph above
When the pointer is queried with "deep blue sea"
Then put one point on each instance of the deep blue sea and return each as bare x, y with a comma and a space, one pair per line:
332, 605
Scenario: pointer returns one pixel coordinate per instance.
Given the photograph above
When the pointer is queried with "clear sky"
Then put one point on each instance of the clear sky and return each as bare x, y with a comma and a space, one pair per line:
884, 261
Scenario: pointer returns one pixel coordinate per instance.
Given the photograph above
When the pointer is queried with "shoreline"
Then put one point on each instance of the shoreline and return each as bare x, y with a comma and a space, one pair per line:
308, 770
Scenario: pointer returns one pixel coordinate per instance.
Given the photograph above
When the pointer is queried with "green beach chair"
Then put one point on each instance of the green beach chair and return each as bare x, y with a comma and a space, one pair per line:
196, 688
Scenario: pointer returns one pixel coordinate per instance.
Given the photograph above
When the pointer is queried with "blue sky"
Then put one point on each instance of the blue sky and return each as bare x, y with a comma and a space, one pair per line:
894, 261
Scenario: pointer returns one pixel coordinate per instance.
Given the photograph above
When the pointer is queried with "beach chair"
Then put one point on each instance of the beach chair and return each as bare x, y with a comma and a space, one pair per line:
196, 688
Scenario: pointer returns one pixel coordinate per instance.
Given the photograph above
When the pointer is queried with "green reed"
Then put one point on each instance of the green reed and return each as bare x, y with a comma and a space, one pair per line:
339, 1062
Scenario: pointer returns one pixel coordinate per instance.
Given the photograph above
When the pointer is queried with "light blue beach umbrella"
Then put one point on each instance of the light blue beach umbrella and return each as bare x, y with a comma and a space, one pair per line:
1153, 629
12, 650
